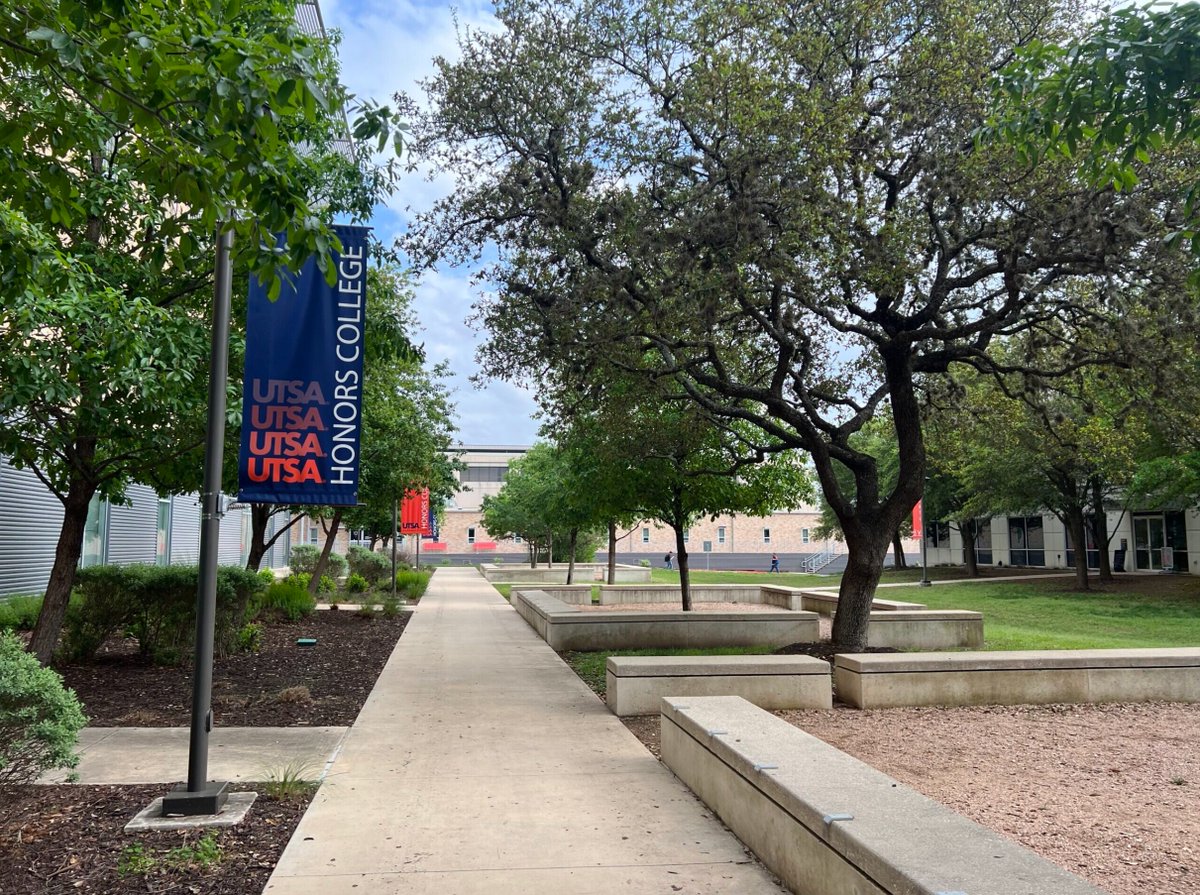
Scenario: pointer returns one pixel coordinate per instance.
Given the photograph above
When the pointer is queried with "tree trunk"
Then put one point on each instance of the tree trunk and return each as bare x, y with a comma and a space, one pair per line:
900, 561
685, 586
1100, 532
1078, 529
857, 591
550, 550
62, 574
571, 558
260, 515
531, 546
969, 529
315, 583
612, 552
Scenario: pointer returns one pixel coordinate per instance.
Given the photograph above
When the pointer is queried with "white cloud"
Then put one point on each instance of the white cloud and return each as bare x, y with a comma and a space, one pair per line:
386, 48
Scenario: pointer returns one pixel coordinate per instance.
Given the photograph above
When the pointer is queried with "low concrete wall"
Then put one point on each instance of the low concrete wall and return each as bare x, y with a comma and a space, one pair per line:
568, 628
637, 684
1018, 677
926, 629
826, 823
783, 597
825, 602
571, 594
557, 574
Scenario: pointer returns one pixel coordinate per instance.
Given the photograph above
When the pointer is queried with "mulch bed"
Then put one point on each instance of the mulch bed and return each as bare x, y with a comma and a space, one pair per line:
68, 839
282, 685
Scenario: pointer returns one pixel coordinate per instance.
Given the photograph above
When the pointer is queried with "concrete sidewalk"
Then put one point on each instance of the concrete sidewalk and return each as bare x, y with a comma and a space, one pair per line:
160, 754
482, 764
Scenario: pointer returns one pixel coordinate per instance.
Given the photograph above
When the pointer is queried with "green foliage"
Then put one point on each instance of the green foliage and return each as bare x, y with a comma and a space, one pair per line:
288, 599
292, 782
411, 584
327, 585
157, 606
267, 576
249, 638
370, 566
40, 719
390, 606
138, 859
19, 613
356, 584
303, 559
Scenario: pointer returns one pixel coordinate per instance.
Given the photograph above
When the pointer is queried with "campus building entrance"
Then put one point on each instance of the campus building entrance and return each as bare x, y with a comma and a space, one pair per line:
1160, 541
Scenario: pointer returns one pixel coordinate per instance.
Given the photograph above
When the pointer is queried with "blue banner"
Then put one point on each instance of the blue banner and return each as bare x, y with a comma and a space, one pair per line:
302, 401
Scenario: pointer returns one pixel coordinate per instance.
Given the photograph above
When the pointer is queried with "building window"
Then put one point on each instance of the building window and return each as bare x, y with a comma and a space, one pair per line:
470, 536
686, 532
983, 542
1093, 555
1026, 541
720, 534
937, 534
645, 536
314, 531
766, 535
95, 534
162, 542
517, 539
804, 535
483, 474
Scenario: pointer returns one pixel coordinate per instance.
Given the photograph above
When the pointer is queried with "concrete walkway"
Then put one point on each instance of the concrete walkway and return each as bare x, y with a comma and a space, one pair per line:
160, 754
482, 764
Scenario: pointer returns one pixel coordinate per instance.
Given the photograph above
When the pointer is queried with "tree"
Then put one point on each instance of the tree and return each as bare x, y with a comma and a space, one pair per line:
132, 130
1122, 92
779, 210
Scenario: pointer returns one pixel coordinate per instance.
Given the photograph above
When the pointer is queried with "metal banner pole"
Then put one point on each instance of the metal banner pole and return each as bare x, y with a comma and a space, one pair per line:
199, 797
395, 535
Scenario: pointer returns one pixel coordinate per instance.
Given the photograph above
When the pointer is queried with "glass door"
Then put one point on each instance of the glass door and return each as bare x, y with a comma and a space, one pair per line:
1148, 541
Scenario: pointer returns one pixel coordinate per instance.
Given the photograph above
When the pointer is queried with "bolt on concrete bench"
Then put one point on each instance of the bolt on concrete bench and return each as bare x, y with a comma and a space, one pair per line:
566, 627
1018, 677
825, 602
636, 684
828, 824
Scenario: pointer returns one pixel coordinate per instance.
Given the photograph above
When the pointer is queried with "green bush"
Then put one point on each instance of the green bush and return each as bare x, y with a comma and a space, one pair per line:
157, 606
412, 584
372, 567
267, 576
19, 613
249, 638
287, 600
390, 606
304, 559
356, 583
327, 585
40, 719
300, 579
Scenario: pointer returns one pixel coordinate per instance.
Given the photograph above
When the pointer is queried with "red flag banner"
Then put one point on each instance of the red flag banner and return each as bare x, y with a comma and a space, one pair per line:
414, 513
918, 519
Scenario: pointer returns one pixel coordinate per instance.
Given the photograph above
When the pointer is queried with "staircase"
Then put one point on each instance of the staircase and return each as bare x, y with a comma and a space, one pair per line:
819, 561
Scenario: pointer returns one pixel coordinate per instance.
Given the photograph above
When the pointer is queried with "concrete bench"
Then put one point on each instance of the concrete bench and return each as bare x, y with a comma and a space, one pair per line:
825, 602
566, 627
523, 574
636, 684
926, 629
571, 594
828, 824
767, 595
1018, 677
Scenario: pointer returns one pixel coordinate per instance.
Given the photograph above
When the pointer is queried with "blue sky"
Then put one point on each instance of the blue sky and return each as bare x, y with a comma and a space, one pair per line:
387, 46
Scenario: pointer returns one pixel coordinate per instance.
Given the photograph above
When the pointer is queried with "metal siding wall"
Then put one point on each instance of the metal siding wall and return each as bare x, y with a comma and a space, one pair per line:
133, 529
30, 519
229, 546
185, 530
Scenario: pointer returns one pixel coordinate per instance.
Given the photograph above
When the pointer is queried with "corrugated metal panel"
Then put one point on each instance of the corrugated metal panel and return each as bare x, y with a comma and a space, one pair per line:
30, 521
133, 529
185, 530
279, 555
229, 547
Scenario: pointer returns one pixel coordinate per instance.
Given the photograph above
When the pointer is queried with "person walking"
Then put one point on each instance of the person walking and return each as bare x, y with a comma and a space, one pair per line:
667, 558
774, 563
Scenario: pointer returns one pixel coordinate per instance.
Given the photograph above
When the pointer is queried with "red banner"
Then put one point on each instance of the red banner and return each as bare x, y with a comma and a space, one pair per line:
918, 519
414, 513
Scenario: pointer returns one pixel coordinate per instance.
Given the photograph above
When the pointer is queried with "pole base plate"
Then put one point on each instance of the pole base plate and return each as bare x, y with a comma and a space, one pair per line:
181, 803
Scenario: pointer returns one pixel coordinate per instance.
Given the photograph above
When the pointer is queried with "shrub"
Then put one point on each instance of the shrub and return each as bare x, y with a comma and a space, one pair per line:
372, 567
19, 613
300, 579
249, 638
157, 606
305, 556
644, 563
391, 606
366, 605
287, 600
412, 584
356, 583
327, 585
40, 719
267, 576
